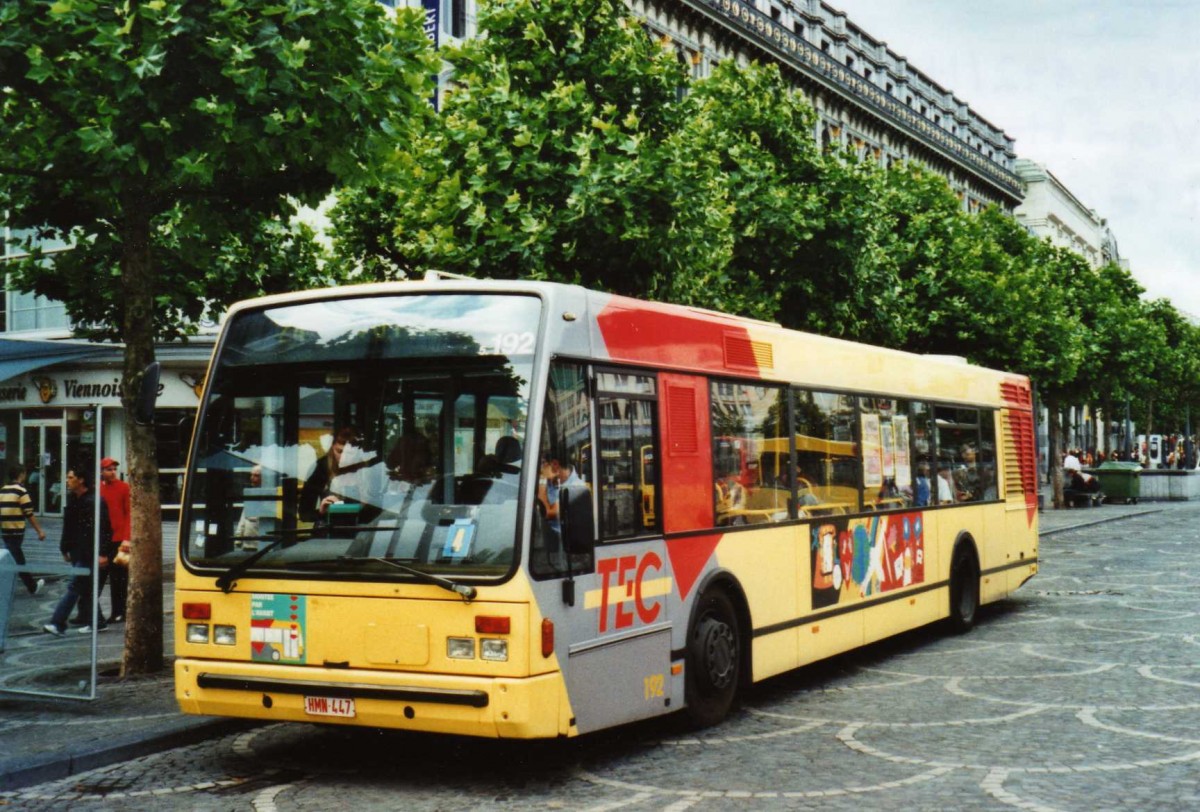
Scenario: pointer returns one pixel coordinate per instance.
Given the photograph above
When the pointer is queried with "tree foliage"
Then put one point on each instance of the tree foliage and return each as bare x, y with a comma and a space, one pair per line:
572, 147
546, 161
169, 142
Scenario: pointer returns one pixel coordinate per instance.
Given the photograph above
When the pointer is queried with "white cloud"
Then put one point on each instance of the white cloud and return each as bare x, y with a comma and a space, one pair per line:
1100, 91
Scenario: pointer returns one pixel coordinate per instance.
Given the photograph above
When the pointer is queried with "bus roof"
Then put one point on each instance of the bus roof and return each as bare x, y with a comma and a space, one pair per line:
620, 329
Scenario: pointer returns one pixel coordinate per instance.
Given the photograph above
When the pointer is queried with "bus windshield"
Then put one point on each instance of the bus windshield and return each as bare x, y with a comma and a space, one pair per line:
343, 437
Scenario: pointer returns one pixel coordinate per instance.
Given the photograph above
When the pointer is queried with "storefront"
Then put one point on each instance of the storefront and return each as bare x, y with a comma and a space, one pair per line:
69, 414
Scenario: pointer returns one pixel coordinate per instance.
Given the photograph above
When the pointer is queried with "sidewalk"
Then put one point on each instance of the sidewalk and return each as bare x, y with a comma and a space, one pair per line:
47, 738
1051, 521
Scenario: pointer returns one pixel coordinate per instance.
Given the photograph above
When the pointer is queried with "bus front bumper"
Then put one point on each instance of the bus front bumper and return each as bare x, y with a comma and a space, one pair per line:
532, 707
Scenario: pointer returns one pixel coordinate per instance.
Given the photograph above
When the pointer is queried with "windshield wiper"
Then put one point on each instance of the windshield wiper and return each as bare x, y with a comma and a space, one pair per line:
467, 593
226, 581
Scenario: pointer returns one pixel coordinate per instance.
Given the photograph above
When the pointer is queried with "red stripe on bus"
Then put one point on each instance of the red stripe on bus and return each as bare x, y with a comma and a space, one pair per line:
650, 333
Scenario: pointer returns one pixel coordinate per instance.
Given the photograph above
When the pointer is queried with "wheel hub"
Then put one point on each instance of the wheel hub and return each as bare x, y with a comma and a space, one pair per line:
720, 652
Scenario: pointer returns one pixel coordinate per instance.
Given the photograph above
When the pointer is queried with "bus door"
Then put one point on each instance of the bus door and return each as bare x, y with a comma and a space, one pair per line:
614, 613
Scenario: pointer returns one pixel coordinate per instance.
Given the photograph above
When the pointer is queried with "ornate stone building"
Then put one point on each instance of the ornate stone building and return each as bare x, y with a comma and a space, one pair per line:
1051, 210
867, 96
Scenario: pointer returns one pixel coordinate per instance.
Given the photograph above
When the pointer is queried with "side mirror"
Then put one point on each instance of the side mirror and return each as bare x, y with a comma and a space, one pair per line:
576, 520
143, 407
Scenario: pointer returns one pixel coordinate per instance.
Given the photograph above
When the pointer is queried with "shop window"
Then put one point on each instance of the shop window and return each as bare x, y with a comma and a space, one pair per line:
172, 433
827, 459
751, 454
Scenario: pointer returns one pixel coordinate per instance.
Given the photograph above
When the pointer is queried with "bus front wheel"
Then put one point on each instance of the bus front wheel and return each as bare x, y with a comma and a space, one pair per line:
713, 660
964, 590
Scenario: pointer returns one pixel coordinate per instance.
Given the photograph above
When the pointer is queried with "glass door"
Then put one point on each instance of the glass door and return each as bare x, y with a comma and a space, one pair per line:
41, 452
32, 661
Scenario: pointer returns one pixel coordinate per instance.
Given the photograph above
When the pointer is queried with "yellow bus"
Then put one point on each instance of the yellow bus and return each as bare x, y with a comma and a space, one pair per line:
401, 570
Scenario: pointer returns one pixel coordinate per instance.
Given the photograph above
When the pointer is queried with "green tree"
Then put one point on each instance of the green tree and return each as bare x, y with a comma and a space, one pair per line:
744, 148
169, 143
546, 161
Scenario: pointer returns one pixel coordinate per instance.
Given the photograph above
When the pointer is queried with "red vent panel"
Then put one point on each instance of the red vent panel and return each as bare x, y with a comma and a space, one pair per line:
681, 421
1016, 394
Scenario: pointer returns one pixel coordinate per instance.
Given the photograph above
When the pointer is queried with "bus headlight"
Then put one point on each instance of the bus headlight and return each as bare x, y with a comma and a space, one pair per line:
494, 650
197, 632
225, 635
460, 648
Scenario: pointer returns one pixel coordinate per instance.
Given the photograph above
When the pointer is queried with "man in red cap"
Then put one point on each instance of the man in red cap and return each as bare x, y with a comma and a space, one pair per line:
115, 493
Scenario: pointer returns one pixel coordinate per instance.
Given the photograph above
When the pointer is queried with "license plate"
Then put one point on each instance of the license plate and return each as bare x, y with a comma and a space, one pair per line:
329, 706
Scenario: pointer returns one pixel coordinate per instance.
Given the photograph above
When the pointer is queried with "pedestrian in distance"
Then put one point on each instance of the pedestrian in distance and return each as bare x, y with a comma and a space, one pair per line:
77, 547
115, 493
16, 508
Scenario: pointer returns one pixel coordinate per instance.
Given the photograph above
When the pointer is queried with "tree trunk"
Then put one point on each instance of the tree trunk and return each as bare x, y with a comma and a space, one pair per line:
1054, 444
144, 614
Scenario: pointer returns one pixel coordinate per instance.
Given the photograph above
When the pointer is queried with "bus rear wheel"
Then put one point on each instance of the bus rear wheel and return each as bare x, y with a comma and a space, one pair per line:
713, 660
964, 590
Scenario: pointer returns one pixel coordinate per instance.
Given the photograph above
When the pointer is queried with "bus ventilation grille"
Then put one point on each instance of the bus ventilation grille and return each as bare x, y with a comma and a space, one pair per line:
1018, 444
681, 420
1016, 394
742, 353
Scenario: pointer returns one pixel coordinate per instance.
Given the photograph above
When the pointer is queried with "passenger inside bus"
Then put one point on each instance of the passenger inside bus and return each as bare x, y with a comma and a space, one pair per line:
409, 463
731, 500
922, 484
496, 476
945, 483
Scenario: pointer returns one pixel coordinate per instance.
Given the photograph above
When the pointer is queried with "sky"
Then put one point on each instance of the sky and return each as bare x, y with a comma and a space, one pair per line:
1104, 93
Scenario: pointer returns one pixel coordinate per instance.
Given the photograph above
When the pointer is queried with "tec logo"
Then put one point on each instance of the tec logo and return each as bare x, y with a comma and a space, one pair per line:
630, 586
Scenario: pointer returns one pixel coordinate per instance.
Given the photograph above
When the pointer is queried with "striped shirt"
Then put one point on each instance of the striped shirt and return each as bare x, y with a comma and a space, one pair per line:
15, 505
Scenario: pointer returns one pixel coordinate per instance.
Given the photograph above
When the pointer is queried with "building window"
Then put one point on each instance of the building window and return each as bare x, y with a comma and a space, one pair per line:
849, 61
825, 45
27, 311
455, 23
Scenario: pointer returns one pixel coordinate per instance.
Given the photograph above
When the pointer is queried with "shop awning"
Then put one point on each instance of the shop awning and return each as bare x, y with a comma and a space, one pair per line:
18, 355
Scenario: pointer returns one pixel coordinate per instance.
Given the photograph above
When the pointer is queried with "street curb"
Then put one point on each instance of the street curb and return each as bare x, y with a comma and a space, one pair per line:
1042, 533
55, 767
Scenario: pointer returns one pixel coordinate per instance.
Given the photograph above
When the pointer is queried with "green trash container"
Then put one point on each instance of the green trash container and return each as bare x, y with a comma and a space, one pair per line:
1120, 481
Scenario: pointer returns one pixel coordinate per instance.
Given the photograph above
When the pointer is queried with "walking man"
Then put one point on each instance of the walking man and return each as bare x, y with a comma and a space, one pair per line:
79, 529
115, 493
15, 509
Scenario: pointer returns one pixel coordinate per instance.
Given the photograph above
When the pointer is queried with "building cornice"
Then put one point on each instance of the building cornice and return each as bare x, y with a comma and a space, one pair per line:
748, 24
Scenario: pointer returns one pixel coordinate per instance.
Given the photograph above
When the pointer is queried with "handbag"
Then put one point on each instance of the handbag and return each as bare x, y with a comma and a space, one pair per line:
121, 559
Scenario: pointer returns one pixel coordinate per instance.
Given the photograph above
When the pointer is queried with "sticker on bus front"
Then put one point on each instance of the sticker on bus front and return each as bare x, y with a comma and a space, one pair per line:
277, 628
329, 706
459, 538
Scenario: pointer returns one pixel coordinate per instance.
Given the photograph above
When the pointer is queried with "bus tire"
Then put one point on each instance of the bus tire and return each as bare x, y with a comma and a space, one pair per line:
714, 659
964, 589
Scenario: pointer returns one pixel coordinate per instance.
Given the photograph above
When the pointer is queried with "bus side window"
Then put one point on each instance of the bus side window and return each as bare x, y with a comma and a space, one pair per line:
826, 453
626, 406
749, 430
563, 462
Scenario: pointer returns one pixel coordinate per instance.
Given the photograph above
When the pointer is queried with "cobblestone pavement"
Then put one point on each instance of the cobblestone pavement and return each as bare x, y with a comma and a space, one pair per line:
1081, 692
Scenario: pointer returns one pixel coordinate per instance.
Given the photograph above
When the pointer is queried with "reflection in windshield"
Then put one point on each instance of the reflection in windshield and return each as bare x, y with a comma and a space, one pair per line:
396, 436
